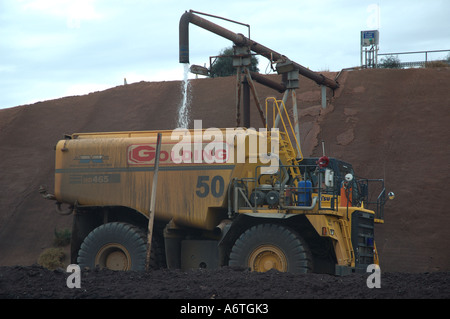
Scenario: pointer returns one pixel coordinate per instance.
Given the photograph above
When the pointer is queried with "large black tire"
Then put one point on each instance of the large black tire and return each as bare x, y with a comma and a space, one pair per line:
116, 246
271, 246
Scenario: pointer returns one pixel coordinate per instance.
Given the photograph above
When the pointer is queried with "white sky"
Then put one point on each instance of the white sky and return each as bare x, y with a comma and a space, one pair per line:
55, 48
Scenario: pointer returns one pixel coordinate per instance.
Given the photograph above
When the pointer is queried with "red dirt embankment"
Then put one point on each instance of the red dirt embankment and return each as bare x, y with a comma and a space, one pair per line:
391, 124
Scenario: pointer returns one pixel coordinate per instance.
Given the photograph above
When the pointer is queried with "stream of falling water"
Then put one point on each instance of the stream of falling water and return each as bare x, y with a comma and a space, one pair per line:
183, 110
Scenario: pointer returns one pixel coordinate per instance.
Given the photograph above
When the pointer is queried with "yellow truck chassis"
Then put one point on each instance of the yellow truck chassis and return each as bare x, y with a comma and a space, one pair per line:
213, 214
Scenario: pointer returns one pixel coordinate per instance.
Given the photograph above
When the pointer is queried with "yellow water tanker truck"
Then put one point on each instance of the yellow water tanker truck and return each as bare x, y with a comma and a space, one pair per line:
247, 201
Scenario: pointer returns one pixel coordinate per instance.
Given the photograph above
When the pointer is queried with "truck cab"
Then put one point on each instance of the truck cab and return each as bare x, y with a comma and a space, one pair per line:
339, 169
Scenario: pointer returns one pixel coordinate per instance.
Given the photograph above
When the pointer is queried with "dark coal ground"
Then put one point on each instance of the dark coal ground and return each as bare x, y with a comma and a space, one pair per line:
36, 282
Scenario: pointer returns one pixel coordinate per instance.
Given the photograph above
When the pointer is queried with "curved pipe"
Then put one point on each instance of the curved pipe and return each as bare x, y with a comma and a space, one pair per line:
184, 37
67, 211
189, 17
240, 40
219, 228
313, 204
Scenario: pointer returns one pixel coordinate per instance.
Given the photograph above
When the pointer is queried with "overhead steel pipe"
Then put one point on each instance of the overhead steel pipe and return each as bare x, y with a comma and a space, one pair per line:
280, 87
240, 40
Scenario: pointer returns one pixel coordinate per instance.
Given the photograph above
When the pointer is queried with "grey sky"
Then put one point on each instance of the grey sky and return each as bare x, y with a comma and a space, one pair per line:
55, 48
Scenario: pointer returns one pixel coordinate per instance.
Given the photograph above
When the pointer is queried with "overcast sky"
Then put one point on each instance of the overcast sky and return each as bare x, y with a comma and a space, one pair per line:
56, 48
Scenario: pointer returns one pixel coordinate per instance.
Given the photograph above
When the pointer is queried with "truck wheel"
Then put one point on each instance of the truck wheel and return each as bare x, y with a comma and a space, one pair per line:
270, 246
116, 246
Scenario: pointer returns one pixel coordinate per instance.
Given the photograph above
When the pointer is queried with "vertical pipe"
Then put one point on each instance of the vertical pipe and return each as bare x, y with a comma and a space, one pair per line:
246, 102
151, 215
285, 97
365, 56
255, 95
296, 124
238, 96
361, 53
184, 37
376, 57
324, 96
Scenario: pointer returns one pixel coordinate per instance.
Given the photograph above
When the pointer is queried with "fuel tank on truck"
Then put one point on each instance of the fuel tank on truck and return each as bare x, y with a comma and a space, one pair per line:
195, 170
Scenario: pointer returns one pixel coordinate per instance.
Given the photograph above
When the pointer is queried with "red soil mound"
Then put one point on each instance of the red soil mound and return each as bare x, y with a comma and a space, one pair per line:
390, 124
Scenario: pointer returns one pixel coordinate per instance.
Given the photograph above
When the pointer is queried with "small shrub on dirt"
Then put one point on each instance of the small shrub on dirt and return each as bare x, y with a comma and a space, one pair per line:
390, 62
52, 258
437, 64
62, 237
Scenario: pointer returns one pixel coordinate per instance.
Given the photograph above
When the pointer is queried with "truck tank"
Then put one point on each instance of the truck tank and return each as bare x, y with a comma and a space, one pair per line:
116, 169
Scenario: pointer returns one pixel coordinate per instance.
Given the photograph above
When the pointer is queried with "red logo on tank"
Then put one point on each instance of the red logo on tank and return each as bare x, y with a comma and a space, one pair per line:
144, 154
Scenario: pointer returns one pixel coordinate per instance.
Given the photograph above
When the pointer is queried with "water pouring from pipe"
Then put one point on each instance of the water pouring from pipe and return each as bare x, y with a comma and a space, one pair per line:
184, 108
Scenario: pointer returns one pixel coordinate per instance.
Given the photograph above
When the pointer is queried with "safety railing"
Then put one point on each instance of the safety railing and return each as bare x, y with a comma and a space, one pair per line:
368, 188
281, 191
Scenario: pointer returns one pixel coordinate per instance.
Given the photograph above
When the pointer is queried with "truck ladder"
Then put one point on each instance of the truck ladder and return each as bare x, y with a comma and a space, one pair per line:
347, 241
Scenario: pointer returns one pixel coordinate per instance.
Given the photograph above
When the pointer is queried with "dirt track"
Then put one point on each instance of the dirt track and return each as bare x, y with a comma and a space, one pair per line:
37, 282
390, 124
